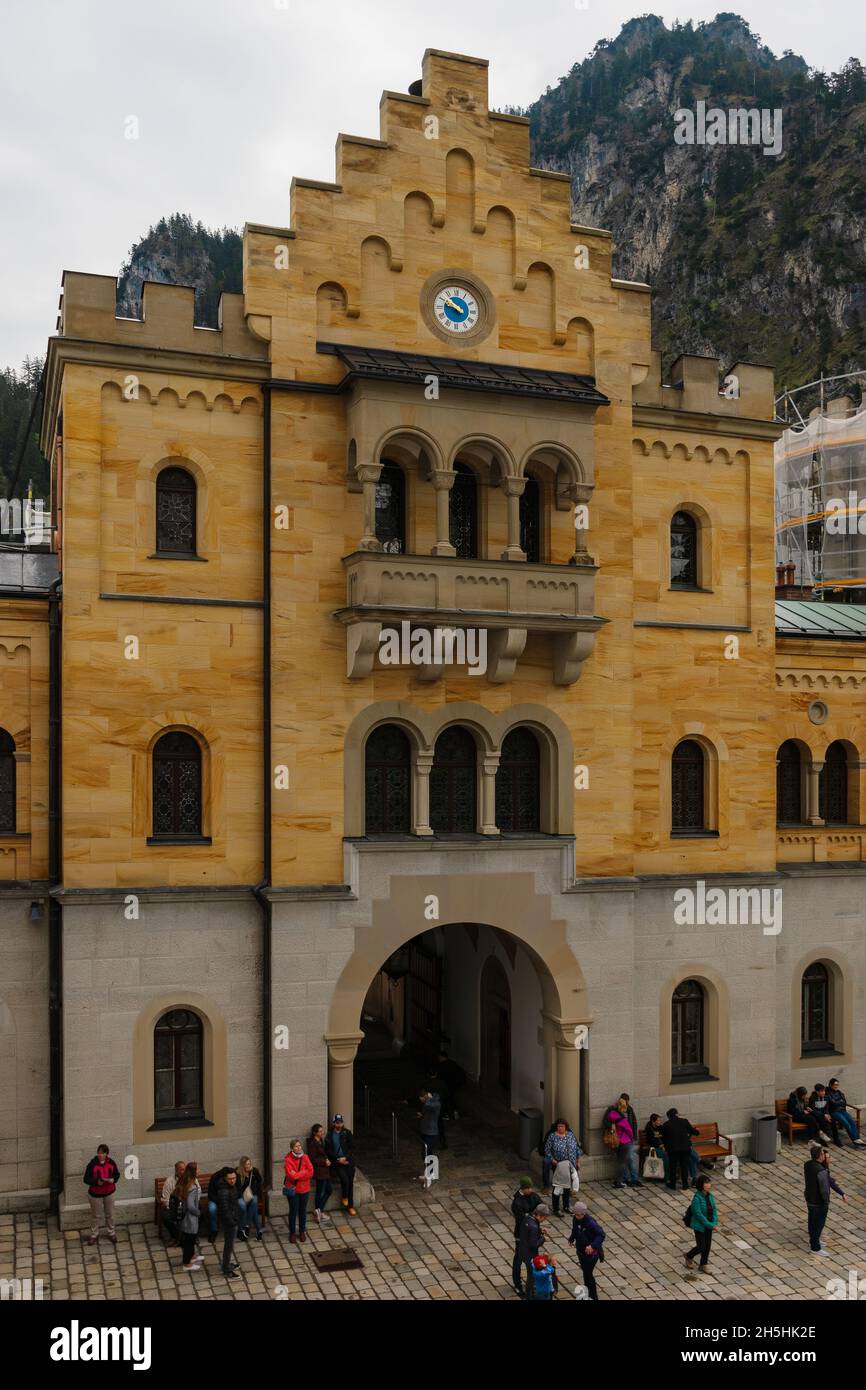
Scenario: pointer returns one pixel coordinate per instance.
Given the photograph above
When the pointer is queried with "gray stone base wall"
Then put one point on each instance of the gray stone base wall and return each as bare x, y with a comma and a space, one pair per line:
24, 1055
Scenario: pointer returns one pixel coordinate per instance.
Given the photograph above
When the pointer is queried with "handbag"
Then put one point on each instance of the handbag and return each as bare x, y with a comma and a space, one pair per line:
611, 1138
653, 1168
289, 1191
575, 1180
248, 1193
687, 1216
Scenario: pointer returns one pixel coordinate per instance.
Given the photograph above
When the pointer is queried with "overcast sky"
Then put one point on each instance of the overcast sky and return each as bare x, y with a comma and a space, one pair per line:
233, 97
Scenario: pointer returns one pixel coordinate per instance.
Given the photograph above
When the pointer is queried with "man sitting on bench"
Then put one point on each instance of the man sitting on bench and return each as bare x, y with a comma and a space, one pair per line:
838, 1106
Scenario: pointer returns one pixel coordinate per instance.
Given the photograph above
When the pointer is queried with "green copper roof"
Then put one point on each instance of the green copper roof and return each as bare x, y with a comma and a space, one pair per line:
846, 621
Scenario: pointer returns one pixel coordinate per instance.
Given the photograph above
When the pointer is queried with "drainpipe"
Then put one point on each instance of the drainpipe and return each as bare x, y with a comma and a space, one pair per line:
267, 774
55, 911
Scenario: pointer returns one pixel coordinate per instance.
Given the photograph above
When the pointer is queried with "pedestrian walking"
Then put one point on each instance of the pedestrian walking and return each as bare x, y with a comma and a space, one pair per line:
430, 1115
296, 1189
530, 1241
838, 1103
168, 1200
563, 1151
544, 1280
250, 1184
523, 1203
339, 1146
703, 1218
318, 1156
229, 1214
213, 1198
452, 1078
587, 1237
189, 1199
102, 1176
622, 1120
677, 1133
819, 1182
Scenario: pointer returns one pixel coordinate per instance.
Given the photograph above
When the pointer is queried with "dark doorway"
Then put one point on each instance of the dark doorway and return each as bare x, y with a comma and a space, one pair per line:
496, 1030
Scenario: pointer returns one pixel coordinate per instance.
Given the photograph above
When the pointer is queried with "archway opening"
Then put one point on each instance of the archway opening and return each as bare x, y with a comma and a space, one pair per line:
462, 1011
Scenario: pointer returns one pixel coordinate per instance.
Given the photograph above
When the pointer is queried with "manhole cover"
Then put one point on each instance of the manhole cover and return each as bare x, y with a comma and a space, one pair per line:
330, 1260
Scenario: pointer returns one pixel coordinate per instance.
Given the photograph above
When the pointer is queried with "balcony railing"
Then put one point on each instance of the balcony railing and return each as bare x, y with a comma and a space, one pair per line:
505, 599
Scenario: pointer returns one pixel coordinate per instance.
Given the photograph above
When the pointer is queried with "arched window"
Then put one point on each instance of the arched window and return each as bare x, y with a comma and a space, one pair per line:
530, 521
518, 805
391, 509
387, 782
815, 1026
175, 513
789, 785
178, 1067
684, 551
453, 784
687, 789
176, 787
833, 786
687, 1031
7, 783
463, 513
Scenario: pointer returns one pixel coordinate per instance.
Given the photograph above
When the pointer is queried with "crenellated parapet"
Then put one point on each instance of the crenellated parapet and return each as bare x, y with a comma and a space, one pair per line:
88, 312
701, 386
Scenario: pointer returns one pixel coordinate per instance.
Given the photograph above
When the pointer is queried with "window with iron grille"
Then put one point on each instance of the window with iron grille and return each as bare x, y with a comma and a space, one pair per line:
463, 513
391, 509
833, 786
387, 782
684, 551
789, 785
815, 1010
687, 1031
453, 784
530, 521
518, 801
7, 783
177, 787
687, 788
175, 512
178, 1066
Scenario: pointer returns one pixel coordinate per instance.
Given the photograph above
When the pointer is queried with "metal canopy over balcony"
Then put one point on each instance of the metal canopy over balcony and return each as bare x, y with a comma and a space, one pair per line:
506, 600
381, 364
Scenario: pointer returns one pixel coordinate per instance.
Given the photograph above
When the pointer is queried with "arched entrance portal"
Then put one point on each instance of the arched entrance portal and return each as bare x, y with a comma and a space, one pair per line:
532, 1041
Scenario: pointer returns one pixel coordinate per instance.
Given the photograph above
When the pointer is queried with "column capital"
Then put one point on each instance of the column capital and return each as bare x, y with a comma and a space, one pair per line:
343, 1048
368, 472
511, 486
442, 479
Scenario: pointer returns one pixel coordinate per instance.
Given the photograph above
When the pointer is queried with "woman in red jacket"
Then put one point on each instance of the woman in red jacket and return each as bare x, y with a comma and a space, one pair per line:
296, 1188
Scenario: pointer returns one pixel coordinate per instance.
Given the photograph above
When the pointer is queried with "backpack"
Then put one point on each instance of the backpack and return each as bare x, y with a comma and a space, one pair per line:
176, 1209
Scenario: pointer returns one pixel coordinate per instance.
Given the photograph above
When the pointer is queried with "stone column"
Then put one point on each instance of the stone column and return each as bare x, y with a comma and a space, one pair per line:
514, 489
421, 776
342, 1051
489, 768
814, 810
580, 494
368, 474
443, 481
567, 1041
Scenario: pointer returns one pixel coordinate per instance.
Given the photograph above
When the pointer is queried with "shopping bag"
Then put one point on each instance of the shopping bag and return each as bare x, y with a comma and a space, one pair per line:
653, 1168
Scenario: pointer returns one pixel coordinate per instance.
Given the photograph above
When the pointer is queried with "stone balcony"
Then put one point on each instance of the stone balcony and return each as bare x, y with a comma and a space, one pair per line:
505, 599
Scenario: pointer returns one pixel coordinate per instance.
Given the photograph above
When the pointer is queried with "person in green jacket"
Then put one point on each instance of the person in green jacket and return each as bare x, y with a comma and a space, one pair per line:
703, 1217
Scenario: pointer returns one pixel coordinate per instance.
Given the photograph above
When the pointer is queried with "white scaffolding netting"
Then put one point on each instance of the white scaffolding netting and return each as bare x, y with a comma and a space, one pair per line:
820, 476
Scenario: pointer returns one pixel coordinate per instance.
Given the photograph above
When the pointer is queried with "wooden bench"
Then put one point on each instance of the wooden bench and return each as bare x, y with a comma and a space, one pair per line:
788, 1125
706, 1143
204, 1181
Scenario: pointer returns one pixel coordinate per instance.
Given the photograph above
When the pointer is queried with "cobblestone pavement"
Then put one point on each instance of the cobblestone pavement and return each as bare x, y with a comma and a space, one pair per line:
454, 1243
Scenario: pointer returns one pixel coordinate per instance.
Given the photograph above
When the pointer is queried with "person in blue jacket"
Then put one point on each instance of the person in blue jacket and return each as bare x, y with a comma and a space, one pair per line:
544, 1282
703, 1219
587, 1237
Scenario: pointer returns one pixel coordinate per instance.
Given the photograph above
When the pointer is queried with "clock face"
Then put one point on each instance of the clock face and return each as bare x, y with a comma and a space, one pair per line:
456, 309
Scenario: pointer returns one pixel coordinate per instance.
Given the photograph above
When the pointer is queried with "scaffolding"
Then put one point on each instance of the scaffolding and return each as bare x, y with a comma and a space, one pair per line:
820, 486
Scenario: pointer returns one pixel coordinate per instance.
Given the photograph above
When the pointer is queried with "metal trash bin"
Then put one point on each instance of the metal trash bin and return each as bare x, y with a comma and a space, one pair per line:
764, 1131
529, 1131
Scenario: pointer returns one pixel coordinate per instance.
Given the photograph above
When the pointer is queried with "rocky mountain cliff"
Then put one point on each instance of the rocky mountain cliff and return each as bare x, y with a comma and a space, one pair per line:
750, 256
